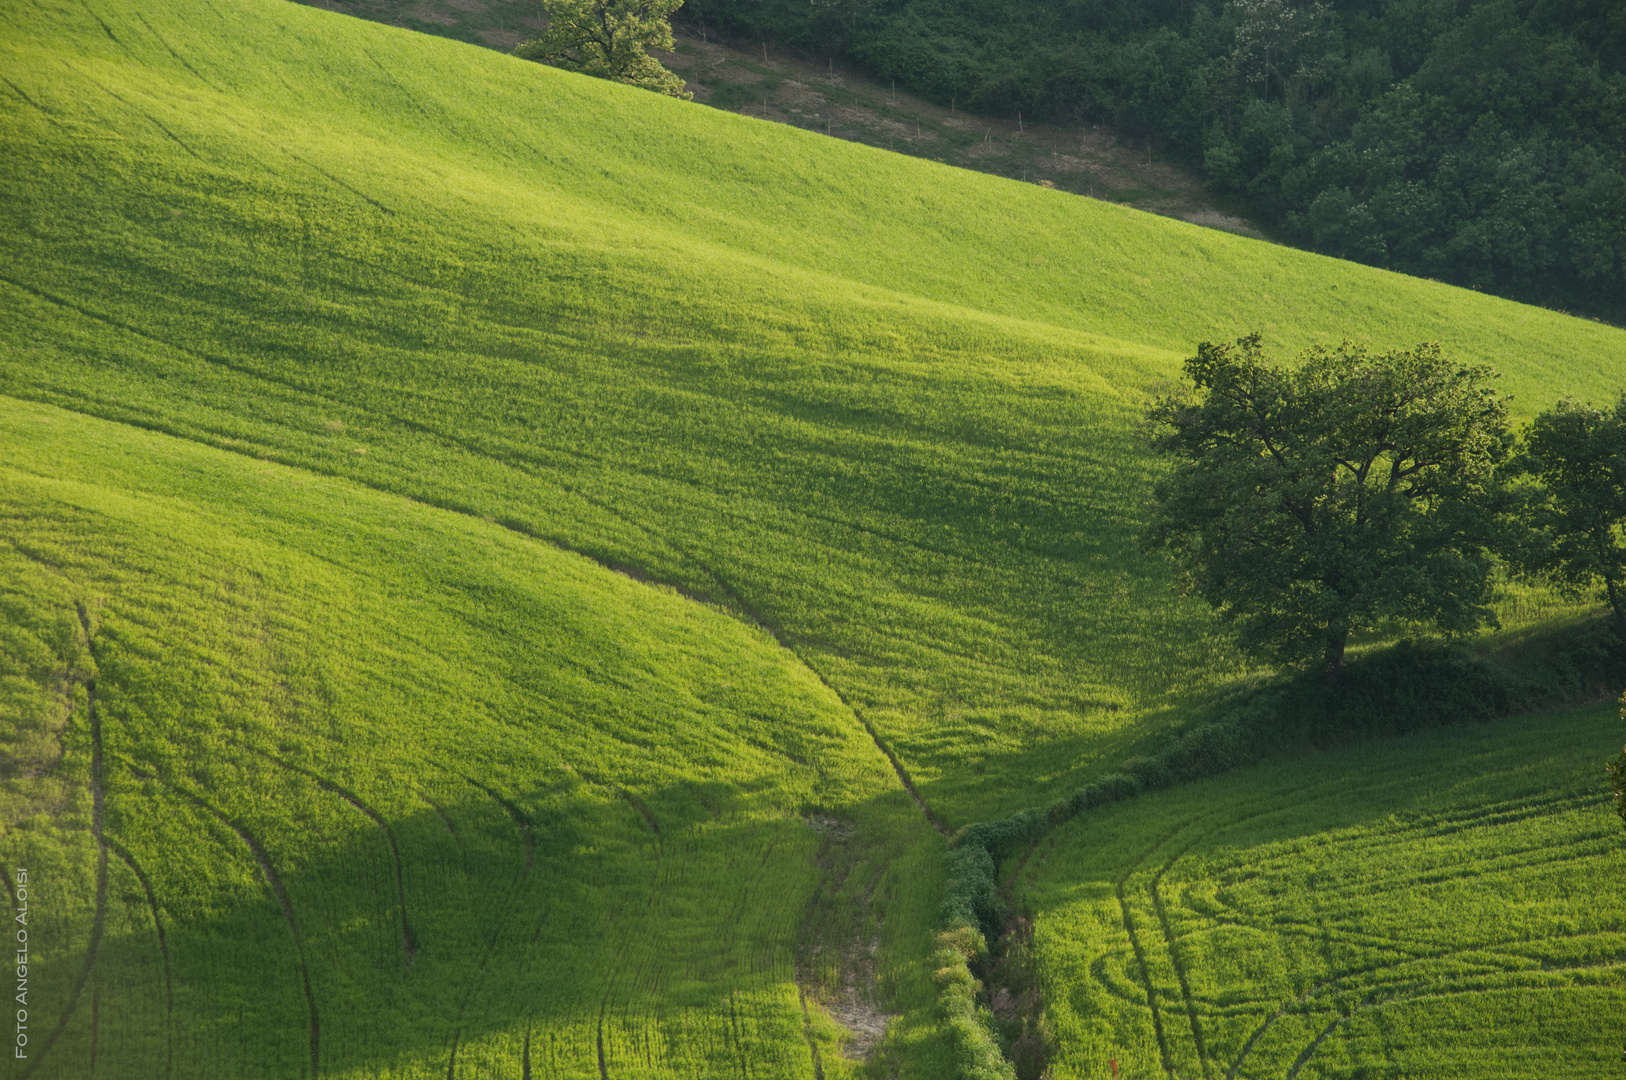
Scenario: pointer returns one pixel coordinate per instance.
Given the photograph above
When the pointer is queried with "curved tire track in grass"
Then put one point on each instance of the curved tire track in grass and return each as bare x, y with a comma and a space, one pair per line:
875, 736
108, 30
100, 918
409, 939
53, 121
1146, 977
603, 1073
1179, 968
170, 49
522, 823
519, 817
263, 860
1297, 1005
163, 949
1496, 814
1274, 804
751, 615
151, 119
1502, 813
738, 601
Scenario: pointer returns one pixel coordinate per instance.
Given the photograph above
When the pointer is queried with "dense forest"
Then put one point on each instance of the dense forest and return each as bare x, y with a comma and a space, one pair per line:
1480, 142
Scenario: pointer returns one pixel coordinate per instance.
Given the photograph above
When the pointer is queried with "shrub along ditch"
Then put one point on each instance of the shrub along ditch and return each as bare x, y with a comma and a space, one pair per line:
1405, 688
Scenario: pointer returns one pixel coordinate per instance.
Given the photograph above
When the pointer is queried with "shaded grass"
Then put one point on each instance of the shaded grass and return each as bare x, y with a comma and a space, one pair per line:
1431, 905
883, 408
473, 787
886, 406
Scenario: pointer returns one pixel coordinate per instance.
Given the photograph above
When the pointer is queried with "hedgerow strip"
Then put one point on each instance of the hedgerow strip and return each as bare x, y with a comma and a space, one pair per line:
1401, 689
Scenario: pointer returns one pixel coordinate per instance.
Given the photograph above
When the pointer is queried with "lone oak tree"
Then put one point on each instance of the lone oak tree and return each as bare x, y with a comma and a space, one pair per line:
609, 39
1310, 502
1579, 455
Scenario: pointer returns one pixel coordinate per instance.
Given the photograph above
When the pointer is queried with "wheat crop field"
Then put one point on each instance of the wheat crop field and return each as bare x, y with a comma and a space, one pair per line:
1443, 904
509, 575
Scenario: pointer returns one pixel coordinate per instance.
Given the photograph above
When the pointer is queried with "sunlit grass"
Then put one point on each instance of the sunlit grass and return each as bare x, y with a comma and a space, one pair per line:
597, 794
1437, 905
877, 409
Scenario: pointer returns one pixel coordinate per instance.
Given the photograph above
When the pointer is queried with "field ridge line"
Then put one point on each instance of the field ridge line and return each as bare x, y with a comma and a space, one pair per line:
742, 607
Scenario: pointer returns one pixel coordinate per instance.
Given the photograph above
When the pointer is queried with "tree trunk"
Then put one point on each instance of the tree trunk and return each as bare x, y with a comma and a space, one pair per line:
1333, 663
1617, 600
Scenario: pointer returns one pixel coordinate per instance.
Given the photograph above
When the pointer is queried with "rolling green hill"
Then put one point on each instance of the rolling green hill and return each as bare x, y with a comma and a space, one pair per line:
354, 786
1437, 905
333, 359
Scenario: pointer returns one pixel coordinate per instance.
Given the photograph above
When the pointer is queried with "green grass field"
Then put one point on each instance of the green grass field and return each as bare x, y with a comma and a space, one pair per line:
392, 788
1442, 905
342, 366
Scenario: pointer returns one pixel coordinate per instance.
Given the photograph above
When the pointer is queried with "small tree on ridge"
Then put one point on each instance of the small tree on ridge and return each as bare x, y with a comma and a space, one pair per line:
1307, 503
609, 39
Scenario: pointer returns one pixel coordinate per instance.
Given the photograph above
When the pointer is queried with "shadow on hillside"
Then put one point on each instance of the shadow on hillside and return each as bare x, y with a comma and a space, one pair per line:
594, 933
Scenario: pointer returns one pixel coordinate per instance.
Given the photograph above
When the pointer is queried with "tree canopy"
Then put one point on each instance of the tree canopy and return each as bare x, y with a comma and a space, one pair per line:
1480, 142
1578, 453
1312, 501
609, 39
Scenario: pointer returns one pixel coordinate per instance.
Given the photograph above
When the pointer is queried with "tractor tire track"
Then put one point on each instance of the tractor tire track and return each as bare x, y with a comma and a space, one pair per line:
1309, 1051
522, 822
37, 106
176, 55
163, 950
1511, 810
1300, 1003
751, 615
98, 797
639, 805
268, 871
875, 736
1273, 804
446, 819
738, 601
108, 30
363, 196
1146, 977
159, 124
1179, 968
409, 939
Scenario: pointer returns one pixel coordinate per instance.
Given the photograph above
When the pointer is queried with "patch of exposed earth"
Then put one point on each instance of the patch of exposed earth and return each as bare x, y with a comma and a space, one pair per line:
836, 958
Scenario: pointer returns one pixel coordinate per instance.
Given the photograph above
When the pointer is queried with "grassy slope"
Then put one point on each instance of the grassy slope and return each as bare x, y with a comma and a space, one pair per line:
595, 791
883, 404
883, 407
1442, 905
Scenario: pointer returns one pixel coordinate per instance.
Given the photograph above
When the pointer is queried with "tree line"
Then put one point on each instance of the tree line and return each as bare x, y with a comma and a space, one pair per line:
1314, 500
1479, 142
